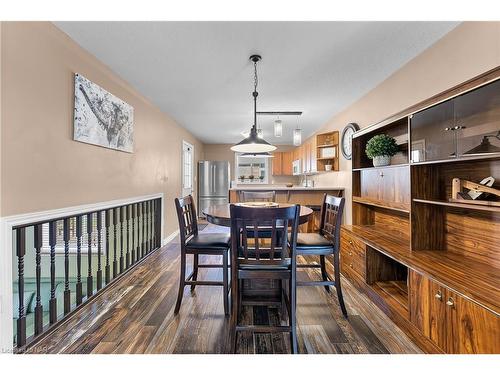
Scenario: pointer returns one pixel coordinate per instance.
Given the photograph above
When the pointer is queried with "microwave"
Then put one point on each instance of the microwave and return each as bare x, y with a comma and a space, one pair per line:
296, 170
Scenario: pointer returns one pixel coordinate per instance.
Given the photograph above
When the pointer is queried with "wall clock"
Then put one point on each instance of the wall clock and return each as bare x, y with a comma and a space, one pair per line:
346, 140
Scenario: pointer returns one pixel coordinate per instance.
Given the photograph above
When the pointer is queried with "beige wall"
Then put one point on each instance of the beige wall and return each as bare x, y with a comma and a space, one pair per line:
467, 51
42, 167
222, 152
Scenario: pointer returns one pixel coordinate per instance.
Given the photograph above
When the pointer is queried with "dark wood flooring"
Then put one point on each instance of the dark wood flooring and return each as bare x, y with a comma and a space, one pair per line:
136, 316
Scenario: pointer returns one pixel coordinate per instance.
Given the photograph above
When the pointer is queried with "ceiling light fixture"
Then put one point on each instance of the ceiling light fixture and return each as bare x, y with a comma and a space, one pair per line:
278, 128
297, 135
253, 143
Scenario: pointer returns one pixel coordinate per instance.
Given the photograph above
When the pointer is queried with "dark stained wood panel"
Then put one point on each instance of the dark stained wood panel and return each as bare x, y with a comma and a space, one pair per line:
445, 267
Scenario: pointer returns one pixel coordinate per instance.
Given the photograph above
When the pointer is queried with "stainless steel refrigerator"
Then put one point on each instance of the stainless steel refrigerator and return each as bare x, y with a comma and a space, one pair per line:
214, 178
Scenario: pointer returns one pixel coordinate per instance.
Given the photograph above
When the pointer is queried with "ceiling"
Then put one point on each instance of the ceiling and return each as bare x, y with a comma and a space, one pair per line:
199, 72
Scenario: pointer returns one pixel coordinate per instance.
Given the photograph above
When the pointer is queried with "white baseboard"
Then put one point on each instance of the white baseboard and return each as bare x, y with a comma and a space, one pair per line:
170, 237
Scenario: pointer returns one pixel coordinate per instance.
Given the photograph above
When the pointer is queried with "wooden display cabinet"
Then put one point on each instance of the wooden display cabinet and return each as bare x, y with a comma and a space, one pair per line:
430, 263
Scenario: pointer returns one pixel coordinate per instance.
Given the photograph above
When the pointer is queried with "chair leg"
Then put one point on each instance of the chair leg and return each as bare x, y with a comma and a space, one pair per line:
195, 270
293, 313
324, 275
234, 313
182, 282
224, 281
336, 264
283, 303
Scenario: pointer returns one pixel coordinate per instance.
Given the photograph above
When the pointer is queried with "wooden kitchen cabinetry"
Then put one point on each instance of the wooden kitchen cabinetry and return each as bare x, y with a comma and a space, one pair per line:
282, 163
452, 322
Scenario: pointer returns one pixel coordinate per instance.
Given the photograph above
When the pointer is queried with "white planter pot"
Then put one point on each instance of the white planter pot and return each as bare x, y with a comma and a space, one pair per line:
381, 161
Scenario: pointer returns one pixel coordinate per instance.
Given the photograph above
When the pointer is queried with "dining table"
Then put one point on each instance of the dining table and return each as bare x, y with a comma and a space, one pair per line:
261, 288
221, 215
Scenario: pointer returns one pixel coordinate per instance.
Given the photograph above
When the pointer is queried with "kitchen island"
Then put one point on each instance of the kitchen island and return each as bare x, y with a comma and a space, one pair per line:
311, 197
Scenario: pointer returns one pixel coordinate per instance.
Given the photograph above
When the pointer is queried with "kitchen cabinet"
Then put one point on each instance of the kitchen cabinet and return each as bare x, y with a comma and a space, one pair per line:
286, 163
282, 163
277, 167
452, 322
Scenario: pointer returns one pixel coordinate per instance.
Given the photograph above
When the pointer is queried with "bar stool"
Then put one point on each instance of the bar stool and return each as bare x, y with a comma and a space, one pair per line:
275, 260
200, 244
258, 196
326, 242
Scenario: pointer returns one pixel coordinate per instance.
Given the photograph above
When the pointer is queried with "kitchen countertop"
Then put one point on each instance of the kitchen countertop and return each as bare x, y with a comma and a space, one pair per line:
284, 188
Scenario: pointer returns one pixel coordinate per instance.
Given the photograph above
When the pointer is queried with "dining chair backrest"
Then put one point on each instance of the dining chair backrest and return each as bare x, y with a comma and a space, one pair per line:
258, 196
277, 220
331, 218
186, 215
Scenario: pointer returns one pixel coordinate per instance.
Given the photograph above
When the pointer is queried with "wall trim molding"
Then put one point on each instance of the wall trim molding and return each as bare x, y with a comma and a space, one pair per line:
7, 223
170, 237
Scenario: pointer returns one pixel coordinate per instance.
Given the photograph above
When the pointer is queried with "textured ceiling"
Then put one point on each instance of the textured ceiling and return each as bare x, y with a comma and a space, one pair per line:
199, 72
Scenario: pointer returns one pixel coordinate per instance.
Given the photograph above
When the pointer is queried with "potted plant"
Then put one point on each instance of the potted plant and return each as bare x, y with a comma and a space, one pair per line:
380, 148
261, 178
242, 178
251, 177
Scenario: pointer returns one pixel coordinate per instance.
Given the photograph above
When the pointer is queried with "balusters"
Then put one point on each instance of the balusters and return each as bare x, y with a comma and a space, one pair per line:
90, 279
150, 221
127, 256
107, 267
122, 228
20, 252
53, 300
79, 293
99, 250
146, 215
115, 223
158, 222
141, 208
38, 272
67, 292
135, 251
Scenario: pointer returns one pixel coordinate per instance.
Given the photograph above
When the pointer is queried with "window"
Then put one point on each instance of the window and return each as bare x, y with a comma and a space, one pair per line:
252, 170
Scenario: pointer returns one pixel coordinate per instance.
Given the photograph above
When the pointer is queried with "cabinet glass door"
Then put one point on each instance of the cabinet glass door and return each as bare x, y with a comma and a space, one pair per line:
477, 114
432, 134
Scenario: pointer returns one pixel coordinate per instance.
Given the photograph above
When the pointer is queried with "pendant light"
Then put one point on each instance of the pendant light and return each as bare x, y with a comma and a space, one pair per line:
253, 143
297, 137
278, 128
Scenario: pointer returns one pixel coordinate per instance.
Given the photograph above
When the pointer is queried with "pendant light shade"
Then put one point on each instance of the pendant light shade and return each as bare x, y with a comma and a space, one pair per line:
278, 128
297, 137
254, 143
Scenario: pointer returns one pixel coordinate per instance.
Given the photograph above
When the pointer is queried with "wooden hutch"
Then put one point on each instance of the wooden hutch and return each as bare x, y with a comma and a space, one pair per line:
430, 262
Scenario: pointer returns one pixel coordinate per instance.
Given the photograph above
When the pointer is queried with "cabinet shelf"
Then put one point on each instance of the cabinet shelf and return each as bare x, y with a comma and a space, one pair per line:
400, 207
466, 206
384, 167
326, 146
394, 293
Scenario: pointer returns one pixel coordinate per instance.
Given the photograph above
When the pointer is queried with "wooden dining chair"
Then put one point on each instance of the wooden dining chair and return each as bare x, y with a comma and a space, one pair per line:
274, 260
198, 244
326, 242
258, 196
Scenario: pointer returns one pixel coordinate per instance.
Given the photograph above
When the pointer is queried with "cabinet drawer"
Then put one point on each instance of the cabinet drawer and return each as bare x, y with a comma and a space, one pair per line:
352, 255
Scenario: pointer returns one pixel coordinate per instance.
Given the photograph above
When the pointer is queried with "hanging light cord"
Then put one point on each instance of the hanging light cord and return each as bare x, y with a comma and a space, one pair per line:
255, 94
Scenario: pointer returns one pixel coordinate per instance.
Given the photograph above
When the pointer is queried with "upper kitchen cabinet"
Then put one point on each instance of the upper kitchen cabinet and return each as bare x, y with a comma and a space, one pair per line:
282, 163
467, 125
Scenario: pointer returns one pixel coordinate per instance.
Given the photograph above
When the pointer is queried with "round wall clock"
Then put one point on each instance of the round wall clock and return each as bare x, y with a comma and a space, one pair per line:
346, 140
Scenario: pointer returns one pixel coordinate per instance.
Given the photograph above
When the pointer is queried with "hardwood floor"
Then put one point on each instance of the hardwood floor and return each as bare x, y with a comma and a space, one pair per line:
136, 316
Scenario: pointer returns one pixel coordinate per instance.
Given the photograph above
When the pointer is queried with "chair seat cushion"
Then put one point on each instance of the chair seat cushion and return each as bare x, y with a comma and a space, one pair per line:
215, 241
313, 242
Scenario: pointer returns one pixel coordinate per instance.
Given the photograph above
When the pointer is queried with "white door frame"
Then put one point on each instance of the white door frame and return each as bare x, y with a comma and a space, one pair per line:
183, 189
